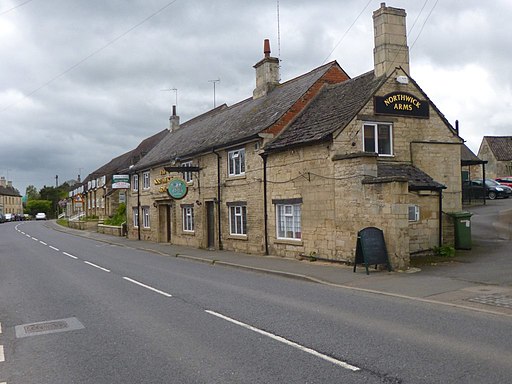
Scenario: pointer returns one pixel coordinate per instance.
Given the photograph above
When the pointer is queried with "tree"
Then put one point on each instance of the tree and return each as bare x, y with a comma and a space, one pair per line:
31, 193
36, 206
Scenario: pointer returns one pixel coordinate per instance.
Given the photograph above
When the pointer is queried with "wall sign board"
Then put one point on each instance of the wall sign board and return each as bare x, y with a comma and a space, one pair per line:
401, 104
371, 248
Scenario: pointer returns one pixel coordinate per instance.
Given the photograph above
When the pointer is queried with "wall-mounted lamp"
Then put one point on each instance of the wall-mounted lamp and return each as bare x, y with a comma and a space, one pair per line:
198, 202
155, 204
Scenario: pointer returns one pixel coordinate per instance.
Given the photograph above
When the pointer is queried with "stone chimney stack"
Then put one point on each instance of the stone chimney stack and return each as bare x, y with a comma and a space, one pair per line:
390, 34
267, 73
174, 120
3, 182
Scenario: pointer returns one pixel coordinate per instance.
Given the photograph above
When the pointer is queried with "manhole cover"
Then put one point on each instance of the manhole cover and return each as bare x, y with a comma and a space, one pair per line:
44, 327
494, 300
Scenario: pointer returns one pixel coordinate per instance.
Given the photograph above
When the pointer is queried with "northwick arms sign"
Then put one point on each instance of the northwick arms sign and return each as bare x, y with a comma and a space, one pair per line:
401, 104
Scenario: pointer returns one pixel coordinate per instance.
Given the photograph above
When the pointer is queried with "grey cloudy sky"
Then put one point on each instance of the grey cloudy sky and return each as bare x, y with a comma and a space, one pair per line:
81, 81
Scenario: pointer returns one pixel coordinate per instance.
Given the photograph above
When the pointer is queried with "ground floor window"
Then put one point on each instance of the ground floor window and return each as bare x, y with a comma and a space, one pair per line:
188, 218
135, 211
145, 217
414, 213
288, 217
238, 219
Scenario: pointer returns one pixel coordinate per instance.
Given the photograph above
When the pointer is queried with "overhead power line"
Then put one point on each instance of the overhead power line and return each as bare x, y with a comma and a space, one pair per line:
80, 62
15, 7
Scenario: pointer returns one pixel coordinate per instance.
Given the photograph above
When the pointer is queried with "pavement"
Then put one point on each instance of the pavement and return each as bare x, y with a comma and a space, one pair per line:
479, 279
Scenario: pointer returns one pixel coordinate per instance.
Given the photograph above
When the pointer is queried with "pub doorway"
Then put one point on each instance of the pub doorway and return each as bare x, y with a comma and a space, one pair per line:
210, 224
165, 219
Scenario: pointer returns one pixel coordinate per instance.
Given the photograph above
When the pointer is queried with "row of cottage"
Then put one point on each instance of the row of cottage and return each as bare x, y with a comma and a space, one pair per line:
300, 167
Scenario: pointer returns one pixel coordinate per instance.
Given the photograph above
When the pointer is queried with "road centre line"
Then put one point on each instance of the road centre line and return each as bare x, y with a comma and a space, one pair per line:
147, 287
55, 249
33, 238
287, 342
67, 254
97, 266
2, 356
42, 242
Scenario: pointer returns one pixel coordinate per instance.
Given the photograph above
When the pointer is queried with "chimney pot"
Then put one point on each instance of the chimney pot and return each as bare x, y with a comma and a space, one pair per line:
266, 47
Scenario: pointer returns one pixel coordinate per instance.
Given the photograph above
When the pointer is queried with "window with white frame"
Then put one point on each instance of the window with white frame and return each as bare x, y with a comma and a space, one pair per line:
145, 217
378, 138
237, 219
187, 176
288, 220
146, 184
135, 211
414, 213
188, 218
135, 182
236, 162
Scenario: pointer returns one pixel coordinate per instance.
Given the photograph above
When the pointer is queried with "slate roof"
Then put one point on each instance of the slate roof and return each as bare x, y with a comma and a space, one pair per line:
418, 180
9, 191
123, 162
501, 147
332, 109
231, 125
467, 157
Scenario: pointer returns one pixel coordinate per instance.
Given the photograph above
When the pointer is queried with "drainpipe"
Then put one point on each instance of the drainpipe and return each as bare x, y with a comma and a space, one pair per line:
218, 200
440, 218
138, 206
265, 202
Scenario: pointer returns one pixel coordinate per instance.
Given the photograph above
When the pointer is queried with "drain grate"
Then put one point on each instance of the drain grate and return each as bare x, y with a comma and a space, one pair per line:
45, 327
495, 300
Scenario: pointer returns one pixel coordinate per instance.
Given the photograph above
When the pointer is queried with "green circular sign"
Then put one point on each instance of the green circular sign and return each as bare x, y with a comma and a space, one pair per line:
177, 188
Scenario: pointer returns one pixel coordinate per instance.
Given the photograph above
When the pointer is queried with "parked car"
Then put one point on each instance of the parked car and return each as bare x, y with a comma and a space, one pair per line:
2, 218
507, 180
494, 189
41, 216
8, 216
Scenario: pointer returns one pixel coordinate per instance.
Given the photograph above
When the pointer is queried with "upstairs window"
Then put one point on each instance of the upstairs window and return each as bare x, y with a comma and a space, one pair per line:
145, 180
378, 138
187, 176
135, 182
236, 162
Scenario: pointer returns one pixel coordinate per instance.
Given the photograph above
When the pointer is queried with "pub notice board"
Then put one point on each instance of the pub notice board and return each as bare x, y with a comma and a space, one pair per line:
371, 249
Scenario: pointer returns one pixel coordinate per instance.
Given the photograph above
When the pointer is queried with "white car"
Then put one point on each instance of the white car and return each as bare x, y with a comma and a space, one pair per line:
41, 216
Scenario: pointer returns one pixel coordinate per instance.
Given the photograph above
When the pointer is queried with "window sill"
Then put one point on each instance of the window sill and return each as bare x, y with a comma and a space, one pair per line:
188, 233
236, 177
238, 237
297, 242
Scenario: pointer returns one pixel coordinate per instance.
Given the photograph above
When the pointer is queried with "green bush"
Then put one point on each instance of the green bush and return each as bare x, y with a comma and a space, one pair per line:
444, 251
119, 217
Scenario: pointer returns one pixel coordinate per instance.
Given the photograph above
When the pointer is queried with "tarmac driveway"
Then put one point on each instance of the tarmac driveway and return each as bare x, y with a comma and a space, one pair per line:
490, 259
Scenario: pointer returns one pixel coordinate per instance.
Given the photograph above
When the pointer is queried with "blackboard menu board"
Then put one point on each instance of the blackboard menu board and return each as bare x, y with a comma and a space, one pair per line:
371, 248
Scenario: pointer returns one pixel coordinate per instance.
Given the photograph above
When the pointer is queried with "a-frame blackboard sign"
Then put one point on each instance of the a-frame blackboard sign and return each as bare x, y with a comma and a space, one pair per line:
371, 248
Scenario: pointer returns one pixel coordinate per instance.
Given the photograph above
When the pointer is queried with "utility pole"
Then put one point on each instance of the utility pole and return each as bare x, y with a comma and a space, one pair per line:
56, 181
214, 81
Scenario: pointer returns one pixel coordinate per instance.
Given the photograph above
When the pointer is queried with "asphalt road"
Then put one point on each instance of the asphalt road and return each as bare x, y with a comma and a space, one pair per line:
107, 314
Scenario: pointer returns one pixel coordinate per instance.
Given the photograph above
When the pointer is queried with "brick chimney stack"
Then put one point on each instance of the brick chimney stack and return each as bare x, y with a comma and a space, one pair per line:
390, 35
267, 73
174, 120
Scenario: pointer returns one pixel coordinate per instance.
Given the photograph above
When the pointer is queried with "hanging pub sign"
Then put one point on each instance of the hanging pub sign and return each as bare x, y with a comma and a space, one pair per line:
120, 181
177, 188
401, 104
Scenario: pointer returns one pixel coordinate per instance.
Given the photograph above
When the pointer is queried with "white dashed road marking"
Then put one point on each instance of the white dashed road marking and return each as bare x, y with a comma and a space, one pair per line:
55, 249
147, 287
97, 266
42, 242
287, 342
2, 356
67, 254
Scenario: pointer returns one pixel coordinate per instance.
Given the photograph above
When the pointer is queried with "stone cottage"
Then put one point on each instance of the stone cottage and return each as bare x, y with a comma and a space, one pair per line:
497, 151
301, 166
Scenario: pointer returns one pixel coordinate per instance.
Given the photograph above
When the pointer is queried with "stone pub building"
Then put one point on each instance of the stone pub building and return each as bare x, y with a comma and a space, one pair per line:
301, 166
